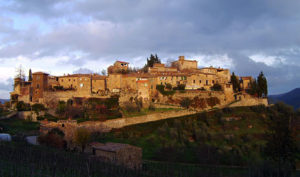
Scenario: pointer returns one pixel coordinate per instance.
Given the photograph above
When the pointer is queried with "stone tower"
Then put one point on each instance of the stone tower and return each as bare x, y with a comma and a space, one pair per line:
39, 85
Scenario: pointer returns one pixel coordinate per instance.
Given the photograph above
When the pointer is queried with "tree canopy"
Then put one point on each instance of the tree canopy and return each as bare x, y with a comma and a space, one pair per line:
151, 61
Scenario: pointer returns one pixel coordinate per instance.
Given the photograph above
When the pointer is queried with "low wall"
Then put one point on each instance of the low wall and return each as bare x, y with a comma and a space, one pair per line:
122, 122
250, 101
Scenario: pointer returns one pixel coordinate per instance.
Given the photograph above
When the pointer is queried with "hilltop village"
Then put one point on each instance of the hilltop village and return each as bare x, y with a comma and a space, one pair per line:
148, 86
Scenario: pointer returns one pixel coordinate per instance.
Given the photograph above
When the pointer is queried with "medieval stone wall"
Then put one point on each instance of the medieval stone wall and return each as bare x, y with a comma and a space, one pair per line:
247, 100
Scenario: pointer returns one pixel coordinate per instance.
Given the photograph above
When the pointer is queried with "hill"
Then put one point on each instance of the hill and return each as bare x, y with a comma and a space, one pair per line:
3, 100
292, 98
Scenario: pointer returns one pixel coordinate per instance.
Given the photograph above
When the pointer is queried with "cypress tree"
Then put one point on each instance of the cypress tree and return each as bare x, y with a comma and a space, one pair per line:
30, 75
262, 86
235, 83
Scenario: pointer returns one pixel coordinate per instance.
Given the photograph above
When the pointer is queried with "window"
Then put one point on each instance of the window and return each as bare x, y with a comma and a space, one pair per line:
74, 80
62, 80
194, 81
81, 85
213, 81
200, 81
69, 79
206, 82
38, 86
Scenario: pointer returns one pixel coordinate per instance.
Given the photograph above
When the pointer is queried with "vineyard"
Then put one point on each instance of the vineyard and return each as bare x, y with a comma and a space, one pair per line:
24, 160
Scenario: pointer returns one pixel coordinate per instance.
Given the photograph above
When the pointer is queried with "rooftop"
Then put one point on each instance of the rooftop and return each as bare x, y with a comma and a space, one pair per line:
39, 73
122, 61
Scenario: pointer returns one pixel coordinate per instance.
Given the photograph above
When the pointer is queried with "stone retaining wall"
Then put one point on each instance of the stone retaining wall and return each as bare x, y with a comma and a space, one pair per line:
122, 122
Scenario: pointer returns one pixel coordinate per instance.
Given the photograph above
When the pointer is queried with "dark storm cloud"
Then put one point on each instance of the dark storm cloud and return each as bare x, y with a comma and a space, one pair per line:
108, 30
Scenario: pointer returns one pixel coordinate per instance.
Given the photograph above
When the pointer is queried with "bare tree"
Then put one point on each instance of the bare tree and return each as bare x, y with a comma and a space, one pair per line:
20, 73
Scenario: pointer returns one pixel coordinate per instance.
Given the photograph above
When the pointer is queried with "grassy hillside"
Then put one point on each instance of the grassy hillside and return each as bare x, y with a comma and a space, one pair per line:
232, 136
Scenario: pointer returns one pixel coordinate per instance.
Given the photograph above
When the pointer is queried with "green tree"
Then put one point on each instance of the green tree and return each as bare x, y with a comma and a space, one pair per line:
235, 83
82, 137
30, 75
216, 87
151, 61
253, 87
262, 86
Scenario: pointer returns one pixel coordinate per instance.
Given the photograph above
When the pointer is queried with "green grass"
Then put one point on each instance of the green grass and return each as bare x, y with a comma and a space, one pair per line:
18, 126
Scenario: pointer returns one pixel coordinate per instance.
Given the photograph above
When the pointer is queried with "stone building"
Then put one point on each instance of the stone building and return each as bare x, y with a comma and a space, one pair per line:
245, 82
118, 67
43, 87
119, 154
183, 64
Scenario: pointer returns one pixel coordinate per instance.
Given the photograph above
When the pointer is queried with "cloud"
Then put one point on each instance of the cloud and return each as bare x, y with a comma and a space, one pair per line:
245, 36
83, 71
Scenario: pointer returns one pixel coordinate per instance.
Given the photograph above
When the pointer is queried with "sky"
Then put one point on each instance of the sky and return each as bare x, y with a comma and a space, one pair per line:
71, 36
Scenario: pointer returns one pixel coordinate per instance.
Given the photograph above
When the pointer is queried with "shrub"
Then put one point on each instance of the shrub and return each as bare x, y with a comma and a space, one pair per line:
82, 137
216, 87
168, 86
202, 89
53, 138
131, 107
186, 102
21, 106
58, 87
160, 88
179, 87
199, 103
212, 101
38, 107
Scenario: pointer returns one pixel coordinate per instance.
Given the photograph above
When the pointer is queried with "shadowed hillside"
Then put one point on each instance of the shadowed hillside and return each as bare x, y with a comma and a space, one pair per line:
292, 98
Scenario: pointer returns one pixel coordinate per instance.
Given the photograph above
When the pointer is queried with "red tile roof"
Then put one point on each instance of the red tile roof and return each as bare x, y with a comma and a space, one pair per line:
122, 61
